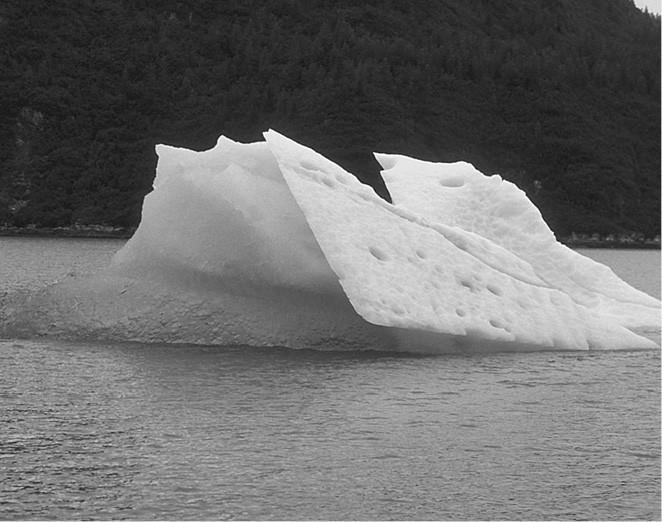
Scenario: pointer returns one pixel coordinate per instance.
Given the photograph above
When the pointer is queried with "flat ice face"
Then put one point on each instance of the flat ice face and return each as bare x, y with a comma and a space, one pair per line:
400, 270
225, 215
459, 195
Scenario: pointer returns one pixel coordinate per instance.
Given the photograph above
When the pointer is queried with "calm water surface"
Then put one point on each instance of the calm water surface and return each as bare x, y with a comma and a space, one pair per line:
183, 432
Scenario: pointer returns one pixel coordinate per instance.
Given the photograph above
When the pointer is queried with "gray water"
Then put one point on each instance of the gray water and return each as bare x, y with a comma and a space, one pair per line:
97, 430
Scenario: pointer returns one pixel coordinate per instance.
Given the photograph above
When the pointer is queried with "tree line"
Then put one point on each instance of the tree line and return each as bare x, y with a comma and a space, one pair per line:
561, 97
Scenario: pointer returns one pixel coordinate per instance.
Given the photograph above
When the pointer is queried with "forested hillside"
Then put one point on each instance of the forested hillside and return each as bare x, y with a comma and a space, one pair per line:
560, 96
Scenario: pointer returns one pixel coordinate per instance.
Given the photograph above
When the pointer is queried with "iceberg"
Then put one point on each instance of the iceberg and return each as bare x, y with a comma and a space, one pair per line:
403, 269
459, 195
272, 244
224, 214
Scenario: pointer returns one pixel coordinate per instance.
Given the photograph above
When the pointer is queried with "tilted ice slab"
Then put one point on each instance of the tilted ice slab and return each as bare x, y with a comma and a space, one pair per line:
401, 270
272, 244
458, 194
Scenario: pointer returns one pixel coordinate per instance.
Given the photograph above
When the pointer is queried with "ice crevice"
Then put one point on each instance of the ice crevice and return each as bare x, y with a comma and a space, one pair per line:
270, 243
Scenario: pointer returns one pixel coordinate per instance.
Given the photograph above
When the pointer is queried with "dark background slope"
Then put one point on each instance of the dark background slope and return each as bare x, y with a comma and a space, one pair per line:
560, 96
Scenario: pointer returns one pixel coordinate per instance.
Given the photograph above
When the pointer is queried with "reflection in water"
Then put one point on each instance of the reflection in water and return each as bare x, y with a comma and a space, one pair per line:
112, 431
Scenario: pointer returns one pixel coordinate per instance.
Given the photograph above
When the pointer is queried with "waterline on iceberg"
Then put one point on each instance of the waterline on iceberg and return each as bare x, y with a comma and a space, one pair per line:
271, 244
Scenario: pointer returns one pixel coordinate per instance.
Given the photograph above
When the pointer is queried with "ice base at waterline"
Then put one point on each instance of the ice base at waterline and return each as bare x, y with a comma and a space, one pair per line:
271, 244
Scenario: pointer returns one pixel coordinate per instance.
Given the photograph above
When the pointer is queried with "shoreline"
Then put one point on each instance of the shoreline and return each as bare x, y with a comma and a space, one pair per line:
107, 232
81, 231
632, 245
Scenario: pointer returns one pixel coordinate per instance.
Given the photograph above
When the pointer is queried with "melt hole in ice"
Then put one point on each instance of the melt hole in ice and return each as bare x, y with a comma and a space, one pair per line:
496, 323
494, 289
310, 166
452, 182
378, 253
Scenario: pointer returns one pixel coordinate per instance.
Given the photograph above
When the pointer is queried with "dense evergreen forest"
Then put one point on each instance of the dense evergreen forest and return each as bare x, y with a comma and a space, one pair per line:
561, 97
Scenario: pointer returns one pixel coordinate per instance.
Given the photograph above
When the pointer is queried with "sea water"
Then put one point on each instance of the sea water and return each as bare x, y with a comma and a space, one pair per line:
98, 430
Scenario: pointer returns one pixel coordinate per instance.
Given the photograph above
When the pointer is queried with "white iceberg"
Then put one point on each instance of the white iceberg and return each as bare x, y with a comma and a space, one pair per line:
401, 270
457, 194
272, 244
225, 214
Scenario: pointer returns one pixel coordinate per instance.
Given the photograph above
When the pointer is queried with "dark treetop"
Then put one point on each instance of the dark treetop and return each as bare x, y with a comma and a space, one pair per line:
561, 97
